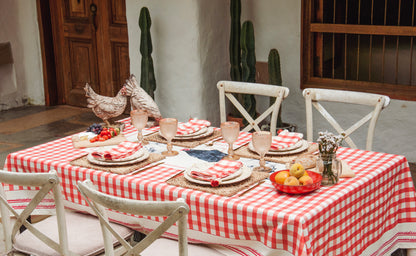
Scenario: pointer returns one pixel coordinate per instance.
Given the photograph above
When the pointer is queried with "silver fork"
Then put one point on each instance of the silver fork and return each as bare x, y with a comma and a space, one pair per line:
211, 143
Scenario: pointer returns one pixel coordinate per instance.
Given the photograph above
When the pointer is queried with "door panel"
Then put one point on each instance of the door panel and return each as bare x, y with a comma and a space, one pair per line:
82, 66
121, 65
91, 46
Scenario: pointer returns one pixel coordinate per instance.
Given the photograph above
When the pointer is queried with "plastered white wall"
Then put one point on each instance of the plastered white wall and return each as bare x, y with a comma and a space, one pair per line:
187, 53
21, 82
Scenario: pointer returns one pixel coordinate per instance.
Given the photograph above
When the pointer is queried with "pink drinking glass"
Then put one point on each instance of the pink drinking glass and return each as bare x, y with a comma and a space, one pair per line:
168, 128
230, 132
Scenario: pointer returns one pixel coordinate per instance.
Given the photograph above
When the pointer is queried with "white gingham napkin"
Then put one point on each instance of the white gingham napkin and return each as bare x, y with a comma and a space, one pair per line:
122, 150
285, 139
218, 171
193, 125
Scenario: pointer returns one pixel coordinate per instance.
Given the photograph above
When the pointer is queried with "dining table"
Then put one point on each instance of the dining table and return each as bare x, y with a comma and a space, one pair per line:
372, 213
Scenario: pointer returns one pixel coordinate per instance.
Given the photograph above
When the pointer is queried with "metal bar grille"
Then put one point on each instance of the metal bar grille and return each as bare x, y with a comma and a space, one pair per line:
370, 55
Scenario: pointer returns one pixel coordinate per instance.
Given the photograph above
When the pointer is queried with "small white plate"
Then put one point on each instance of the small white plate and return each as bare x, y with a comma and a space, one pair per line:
245, 173
199, 132
292, 147
135, 155
204, 166
209, 131
142, 155
303, 147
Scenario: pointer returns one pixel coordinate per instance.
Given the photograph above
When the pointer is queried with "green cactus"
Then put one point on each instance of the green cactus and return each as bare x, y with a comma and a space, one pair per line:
235, 50
248, 63
147, 76
275, 77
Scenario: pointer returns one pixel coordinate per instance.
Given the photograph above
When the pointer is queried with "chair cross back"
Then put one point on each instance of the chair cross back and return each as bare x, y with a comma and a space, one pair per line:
46, 182
227, 88
176, 211
314, 96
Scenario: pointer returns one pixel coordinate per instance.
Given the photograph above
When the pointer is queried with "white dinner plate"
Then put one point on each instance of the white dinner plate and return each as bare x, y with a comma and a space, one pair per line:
291, 147
245, 173
208, 132
204, 166
199, 132
143, 155
302, 148
133, 156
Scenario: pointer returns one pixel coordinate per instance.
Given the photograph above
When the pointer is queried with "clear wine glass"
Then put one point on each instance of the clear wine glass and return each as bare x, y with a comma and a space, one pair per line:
139, 119
261, 142
168, 128
230, 132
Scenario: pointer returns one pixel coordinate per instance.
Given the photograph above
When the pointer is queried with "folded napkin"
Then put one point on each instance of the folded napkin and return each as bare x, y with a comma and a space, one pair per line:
122, 150
206, 155
346, 170
193, 125
219, 170
285, 139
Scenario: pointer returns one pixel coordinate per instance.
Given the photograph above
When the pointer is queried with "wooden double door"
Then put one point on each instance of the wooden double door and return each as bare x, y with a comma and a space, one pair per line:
90, 45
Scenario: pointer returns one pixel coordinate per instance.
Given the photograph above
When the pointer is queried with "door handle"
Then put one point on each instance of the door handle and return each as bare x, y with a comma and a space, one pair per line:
93, 9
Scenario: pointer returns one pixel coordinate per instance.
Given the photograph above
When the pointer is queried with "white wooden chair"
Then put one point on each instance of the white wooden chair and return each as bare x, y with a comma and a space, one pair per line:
227, 88
152, 244
66, 233
314, 96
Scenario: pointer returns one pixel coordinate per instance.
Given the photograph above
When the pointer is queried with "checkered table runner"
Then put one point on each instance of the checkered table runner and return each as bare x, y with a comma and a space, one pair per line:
339, 220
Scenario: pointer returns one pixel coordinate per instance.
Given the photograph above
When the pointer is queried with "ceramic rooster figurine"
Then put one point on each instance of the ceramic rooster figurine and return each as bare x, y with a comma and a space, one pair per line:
139, 99
106, 107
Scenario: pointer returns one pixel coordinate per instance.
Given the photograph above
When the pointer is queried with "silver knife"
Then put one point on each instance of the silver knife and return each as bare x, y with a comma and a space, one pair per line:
176, 174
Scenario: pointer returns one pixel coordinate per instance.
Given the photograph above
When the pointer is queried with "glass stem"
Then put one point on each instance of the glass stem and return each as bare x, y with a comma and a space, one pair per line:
262, 161
140, 136
230, 149
169, 146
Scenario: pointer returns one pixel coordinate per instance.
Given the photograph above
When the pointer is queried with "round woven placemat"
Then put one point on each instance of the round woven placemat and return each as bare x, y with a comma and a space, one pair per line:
122, 169
283, 159
189, 143
222, 190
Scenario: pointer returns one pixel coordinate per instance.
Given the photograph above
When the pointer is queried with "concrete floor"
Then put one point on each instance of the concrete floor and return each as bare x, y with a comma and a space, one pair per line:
25, 127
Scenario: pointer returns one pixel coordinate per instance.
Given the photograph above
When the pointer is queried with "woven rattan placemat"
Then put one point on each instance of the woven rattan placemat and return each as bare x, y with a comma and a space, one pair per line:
120, 169
222, 190
191, 143
283, 159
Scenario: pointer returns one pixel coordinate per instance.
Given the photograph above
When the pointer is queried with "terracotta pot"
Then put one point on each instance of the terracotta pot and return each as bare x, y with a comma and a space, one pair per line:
285, 126
235, 119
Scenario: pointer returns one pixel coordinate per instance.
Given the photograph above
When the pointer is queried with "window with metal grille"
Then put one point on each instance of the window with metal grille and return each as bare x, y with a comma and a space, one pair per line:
360, 45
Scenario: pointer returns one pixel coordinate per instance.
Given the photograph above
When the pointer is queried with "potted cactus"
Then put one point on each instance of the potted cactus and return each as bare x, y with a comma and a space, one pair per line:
147, 76
275, 78
242, 58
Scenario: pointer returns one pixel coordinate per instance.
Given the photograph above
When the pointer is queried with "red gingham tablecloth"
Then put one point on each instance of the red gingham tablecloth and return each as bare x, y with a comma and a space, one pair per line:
344, 219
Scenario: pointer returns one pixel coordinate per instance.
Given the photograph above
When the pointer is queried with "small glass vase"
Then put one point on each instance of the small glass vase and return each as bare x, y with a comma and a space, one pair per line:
329, 167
